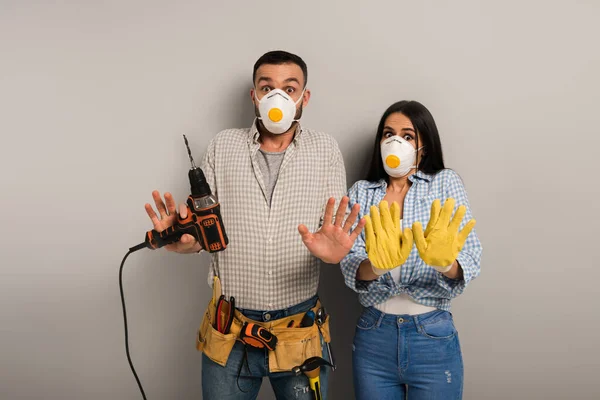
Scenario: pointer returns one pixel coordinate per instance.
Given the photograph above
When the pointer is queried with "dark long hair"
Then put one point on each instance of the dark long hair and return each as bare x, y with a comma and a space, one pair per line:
432, 158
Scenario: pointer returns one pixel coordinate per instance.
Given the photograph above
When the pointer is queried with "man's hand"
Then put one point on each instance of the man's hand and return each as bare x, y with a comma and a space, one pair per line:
168, 217
333, 241
386, 245
440, 244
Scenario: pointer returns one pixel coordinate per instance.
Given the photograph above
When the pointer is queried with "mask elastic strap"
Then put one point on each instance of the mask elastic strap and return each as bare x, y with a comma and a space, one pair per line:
255, 96
301, 96
296, 103
415, 166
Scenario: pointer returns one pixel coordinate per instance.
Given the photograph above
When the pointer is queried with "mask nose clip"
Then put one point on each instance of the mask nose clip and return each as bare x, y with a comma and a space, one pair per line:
271, 95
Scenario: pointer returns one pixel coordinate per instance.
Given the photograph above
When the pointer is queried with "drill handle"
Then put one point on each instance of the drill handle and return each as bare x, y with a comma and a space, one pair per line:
204, 225
156, 240
172, 234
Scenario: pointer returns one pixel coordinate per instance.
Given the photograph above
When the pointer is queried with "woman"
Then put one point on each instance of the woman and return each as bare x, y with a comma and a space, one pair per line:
405, 341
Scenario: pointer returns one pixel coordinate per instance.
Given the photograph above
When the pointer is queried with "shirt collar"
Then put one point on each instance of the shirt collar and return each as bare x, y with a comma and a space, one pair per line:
420, 176
417, 177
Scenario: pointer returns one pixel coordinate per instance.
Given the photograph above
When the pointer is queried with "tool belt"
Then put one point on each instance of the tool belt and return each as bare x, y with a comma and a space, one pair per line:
294, 345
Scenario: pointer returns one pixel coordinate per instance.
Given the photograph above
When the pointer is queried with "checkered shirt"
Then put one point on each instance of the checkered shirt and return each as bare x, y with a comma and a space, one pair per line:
421, 282
266, 266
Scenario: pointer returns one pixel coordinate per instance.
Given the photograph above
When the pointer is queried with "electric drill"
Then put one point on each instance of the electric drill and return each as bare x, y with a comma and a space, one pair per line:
203, 222
203, 219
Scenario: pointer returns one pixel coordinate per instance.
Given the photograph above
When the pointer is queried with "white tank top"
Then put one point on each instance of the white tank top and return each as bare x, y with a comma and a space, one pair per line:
402, 304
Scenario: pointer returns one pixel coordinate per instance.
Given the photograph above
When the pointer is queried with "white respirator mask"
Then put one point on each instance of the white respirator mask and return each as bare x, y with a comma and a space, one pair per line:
277, 110
398, 156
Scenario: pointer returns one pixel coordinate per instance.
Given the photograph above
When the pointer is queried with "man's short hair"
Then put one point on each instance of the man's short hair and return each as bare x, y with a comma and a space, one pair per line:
279, 57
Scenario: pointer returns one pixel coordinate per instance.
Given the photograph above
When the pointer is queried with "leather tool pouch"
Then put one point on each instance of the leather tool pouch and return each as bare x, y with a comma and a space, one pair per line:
294, 345
213, 343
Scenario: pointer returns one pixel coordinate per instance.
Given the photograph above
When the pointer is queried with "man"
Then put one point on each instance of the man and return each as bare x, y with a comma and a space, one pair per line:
270, 178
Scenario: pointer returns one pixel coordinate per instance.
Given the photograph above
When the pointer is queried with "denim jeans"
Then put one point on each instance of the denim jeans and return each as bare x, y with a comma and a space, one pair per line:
414, 357
221, 383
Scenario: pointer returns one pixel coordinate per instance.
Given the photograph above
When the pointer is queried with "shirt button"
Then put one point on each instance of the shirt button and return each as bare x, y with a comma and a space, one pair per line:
270, 240
270, 273
267, 317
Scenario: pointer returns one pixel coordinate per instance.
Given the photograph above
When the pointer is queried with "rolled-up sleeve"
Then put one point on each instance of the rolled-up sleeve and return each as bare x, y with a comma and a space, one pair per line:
336, 181
469, 257
208, 168
350, 264
337, 177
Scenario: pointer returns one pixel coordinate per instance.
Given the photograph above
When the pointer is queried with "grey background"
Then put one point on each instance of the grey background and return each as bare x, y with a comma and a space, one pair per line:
94, 97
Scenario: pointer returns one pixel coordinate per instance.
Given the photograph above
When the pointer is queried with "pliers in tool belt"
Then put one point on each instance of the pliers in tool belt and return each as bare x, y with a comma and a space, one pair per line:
225, 326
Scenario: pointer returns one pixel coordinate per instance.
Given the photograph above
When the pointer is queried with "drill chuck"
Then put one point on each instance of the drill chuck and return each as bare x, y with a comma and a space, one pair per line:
199, 186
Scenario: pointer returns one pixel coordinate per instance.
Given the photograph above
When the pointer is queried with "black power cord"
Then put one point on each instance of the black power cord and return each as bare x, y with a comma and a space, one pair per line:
131, 250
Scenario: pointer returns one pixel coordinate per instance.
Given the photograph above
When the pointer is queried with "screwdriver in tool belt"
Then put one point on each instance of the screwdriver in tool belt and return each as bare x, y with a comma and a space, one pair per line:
320, 319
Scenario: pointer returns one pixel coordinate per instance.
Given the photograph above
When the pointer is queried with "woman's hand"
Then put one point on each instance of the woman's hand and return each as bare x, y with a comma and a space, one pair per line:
333, 241
440, 244
386, 245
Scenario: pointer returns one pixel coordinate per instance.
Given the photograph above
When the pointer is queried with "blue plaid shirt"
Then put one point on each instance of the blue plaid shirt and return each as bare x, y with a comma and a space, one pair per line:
421, 282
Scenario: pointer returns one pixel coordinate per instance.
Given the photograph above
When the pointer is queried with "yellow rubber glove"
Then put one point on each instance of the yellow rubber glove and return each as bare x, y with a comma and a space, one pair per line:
386, 246
440, 244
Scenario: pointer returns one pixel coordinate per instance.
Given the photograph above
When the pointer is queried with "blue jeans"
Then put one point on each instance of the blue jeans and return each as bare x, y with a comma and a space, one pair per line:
221, 383
414, 357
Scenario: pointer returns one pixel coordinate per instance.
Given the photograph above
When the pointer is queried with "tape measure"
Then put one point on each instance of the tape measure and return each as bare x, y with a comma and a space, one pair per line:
257, 336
